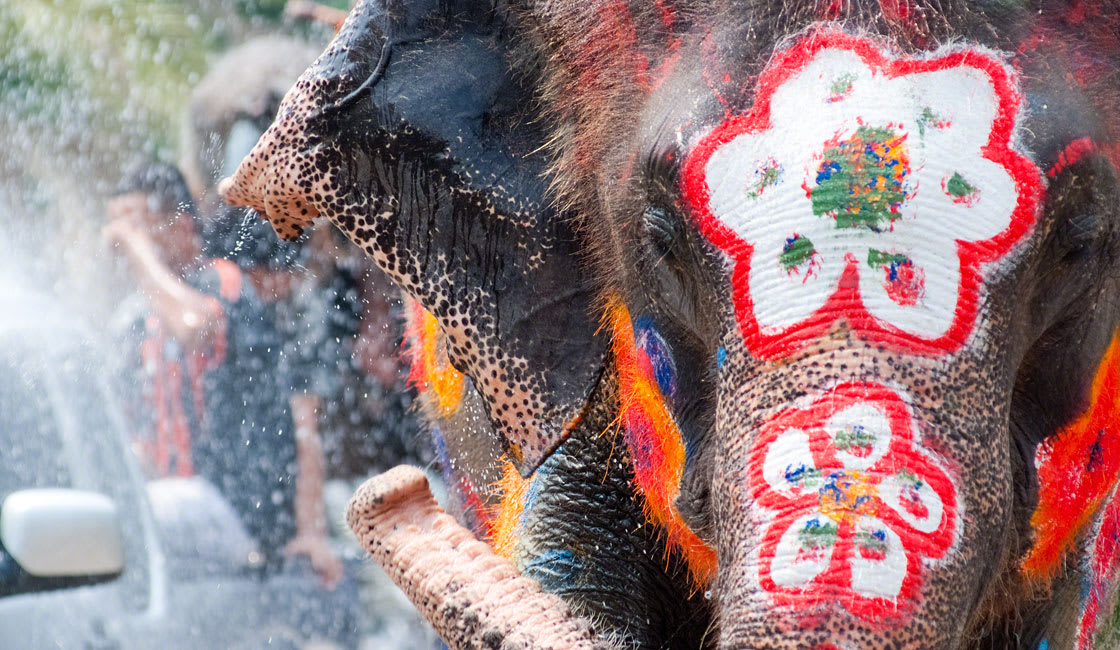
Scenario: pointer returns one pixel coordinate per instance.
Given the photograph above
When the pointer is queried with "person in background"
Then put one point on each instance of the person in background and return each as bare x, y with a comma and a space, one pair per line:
316, 12
336, 313
209, 357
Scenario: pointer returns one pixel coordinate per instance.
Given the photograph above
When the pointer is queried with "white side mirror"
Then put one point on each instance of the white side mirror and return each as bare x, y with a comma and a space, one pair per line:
62, 533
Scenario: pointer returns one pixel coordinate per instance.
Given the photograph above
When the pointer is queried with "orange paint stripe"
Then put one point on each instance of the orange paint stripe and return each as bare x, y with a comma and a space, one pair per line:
1078, 470
506, 519
656, 447
430, 370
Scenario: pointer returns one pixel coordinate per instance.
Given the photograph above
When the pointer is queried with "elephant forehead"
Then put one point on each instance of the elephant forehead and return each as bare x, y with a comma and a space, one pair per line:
867, 188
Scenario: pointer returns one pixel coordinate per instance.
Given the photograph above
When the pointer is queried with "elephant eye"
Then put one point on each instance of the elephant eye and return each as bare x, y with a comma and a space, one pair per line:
660, 226
1078, 233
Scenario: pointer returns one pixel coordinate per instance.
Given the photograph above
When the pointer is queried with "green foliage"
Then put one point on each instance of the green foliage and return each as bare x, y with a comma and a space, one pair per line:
119, 64
115, 71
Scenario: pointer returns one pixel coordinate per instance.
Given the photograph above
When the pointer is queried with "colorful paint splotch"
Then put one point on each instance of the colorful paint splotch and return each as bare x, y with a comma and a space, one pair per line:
1078, 468
854, 503
841, 87
799, 257
960, 190
860, 181
911, 158
928, 119
903, 282
438, 383
768, 174
646, 377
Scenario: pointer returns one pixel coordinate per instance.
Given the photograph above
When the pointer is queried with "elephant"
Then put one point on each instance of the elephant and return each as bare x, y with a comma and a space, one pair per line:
741, 324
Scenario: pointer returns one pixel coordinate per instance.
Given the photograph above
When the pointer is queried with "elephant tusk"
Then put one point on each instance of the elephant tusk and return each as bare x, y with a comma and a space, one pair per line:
472, 597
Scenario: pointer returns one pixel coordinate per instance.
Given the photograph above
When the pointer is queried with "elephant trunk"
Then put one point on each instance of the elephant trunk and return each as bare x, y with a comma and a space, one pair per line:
846, 493
472, 597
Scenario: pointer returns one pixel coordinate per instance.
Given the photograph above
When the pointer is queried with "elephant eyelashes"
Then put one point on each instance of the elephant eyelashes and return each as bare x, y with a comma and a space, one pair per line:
1079, 232
1083, 203
661, 227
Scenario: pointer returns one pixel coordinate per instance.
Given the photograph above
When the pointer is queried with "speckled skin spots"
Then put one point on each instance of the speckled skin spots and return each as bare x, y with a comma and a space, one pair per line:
441, 208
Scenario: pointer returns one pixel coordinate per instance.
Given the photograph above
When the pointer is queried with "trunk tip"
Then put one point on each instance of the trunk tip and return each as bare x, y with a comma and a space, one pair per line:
385, 491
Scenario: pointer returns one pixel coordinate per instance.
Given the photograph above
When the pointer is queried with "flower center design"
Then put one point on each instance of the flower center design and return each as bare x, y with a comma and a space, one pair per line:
844, 496
860, 179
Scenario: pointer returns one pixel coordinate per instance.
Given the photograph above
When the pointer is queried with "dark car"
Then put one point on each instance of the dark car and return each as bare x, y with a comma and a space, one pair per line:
84, 562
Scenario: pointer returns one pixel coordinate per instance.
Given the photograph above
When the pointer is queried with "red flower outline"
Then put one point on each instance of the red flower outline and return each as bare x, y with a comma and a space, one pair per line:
834, 583
845, 301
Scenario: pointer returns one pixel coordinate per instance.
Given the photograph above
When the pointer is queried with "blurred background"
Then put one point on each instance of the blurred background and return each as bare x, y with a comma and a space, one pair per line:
186, 403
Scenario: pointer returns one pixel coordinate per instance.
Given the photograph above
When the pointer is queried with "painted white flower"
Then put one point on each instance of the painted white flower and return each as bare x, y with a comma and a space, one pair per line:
855, 502
862, 189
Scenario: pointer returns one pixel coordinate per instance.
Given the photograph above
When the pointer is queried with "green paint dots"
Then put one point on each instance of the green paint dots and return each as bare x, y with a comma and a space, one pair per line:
904, 282
909, 477
877, 259
803, 476
797, 251
817, 535
841, 86
872, 545
929, 119
857, 439
958, 187
860, 180
767, 175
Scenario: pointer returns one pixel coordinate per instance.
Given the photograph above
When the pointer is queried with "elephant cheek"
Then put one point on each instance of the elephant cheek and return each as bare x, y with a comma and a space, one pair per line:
473, 598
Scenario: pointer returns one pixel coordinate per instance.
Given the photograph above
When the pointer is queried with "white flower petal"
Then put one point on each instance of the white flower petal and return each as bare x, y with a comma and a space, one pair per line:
964, 102
788, 463
934, 210
808, 93
861, 435
785, 297
920, 297
878, 561
803, 552
914, 500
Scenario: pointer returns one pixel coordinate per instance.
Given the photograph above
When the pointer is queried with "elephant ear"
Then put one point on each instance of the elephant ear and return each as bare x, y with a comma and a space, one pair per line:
414, 134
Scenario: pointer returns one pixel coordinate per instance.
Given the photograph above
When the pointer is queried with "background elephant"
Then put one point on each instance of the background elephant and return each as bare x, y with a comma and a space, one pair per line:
797, 321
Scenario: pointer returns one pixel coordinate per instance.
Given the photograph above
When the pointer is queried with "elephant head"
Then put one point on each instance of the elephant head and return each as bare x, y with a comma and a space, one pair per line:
858, 264
410, 133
